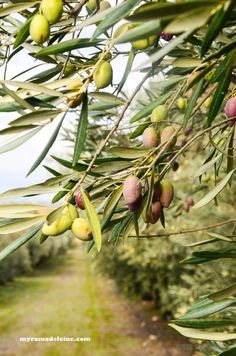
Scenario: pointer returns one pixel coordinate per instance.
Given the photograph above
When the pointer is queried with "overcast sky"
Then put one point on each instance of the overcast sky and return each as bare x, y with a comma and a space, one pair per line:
15, 164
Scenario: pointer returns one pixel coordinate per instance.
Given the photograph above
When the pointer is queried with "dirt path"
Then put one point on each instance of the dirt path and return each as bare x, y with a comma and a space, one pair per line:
67, 298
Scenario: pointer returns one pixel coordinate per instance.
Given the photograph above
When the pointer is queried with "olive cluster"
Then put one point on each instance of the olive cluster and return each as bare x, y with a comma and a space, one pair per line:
69, 218
162, 197
152, 137
50, 13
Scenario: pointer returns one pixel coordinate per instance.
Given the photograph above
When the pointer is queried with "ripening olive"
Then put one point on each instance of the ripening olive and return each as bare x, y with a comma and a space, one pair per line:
167, 193
103, 75
166, 36
52, 10
81, 229
39, 29
80, 201
166, 135
230, 110
132, 190
159, 113
150, 138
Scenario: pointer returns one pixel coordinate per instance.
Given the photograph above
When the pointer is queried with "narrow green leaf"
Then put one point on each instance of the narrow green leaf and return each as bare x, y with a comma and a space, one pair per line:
202, 324
127, 70
205, 167
142, 31
223, 293
38, 88
119, 12
47, 147
209, 309
20, 225
93, 221
196, 94
214, 192
16, 142
8, 10
67, 46
216, 25
113, 200
37, 116
189, 21
203, 335
155, 10
161, 53
139, 130
81, 131
129, 152
219, 95
23, 103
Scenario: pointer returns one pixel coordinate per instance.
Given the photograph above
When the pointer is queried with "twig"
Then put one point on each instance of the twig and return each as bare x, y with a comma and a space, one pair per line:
111, 132
185, 231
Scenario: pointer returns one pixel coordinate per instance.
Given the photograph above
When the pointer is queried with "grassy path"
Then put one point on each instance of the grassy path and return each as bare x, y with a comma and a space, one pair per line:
64, 298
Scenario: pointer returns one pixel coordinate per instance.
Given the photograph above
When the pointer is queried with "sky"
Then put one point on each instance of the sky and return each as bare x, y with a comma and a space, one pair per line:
15, 164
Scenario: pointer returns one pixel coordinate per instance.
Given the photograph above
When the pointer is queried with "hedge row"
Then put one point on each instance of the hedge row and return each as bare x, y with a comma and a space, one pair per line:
30, 255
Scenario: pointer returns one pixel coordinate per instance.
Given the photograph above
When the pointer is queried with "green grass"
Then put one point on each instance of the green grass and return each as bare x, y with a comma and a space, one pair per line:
64, 298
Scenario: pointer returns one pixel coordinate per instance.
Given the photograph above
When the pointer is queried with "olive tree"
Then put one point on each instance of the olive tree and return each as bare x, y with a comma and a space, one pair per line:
187, 58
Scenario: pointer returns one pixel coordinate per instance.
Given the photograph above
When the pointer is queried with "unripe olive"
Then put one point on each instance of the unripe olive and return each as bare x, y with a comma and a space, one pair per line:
122, 29
181, 103
91, 5
81, 229
144, 43
207, 102
62, 223
230, 110
167, 193
39, 29
159, 113
52, 10
72, 211
132, 189
103, 75
166, 36
150, 138
74, 84
166, 135
104, 5
80, 201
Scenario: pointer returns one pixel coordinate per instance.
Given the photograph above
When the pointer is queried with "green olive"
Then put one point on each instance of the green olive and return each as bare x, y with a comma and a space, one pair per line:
39, 29
52, 10
103, 75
